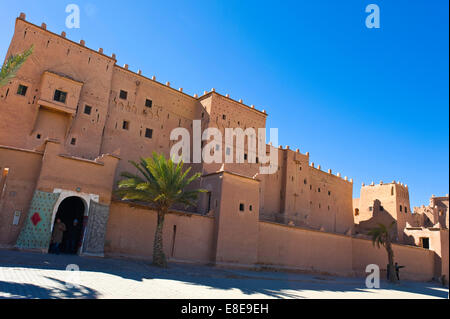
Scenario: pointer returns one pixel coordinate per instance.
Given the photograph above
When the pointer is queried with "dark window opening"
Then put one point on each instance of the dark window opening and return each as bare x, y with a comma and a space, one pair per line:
60, 96
123, 94
381, 208
245, 157
38, 136
22, 90
126, 125
406, 209
400, 207
73, 141
224, 117
356, 211
148, 133
370, 208
87, 109
329, 193
250, 208
318, 189
425, 243
208, 207
148, 103
241, 207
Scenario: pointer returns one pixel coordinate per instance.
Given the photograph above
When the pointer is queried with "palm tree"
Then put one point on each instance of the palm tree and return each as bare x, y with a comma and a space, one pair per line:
381, 236
12, 65
161, 183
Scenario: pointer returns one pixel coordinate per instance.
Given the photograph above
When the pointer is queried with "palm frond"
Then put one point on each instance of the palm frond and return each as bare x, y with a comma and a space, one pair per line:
159, 181
12, 66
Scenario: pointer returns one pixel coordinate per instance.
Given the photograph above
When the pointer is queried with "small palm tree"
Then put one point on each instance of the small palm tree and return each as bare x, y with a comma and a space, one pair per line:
381, 236
162, 183
12, 65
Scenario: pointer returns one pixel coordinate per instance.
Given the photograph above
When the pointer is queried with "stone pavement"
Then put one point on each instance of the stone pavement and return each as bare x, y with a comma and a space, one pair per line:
34, 275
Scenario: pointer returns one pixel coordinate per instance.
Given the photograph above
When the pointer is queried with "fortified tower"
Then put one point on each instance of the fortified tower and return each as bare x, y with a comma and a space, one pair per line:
383, 203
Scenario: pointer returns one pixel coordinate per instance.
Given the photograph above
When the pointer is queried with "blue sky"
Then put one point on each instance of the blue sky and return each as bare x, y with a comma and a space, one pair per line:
372, 104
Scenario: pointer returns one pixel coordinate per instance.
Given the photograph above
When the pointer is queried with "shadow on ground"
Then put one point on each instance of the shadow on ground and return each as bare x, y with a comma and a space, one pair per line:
271, 284
31, 291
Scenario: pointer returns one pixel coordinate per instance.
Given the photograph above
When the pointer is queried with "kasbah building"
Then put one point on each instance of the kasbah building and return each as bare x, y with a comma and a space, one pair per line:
72, 119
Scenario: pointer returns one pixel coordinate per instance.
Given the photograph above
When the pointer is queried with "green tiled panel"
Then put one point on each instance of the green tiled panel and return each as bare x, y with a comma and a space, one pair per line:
38, 236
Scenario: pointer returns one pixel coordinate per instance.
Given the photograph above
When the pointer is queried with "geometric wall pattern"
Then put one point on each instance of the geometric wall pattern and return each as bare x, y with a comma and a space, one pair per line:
36, 231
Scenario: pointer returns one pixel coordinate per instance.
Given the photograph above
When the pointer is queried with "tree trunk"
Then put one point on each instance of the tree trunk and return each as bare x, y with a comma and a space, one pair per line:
159, 259
391, 267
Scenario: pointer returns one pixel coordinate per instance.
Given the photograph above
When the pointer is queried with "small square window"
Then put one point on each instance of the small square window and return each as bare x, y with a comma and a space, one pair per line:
148, 133
148, 103
123, 94
22, 90
241, 207
126, 125
38, 136
60, 96
370, 208
73, 141
381, 208
87, 109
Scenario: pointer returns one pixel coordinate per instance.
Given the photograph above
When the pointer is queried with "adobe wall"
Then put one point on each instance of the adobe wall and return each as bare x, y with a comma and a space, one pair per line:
419, 262
170, 109
311, 250
381, 204
445, 255
306, 196
130, 233
236, 230
331, 202
16, 190
71, 60
131, 229
286, 246
71, 173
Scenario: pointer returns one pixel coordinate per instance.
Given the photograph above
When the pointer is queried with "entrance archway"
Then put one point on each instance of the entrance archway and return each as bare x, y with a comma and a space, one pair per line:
71, 212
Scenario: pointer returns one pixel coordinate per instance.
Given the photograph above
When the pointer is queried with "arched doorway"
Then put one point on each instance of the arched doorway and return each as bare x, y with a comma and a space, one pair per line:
71, 212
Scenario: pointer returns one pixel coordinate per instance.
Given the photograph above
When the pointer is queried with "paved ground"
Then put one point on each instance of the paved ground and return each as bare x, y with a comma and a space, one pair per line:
32, 275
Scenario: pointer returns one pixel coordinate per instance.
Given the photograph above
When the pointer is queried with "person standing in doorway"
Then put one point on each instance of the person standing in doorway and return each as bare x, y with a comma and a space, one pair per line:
73, 234
57, 235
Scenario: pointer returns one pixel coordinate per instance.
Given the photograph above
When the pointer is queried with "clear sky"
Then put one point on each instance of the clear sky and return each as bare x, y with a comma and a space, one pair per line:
372, 104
